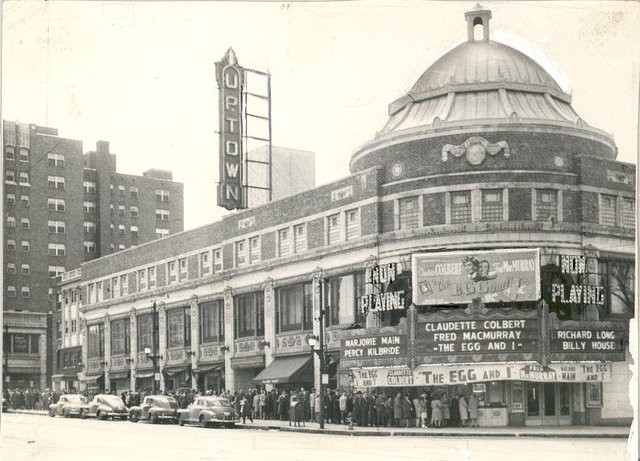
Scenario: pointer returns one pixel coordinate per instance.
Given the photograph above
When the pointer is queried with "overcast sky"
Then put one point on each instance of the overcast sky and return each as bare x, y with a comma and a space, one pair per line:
141, 74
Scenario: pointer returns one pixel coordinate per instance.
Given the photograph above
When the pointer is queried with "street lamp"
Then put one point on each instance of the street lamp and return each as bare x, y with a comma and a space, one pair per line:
317, 343
152, 352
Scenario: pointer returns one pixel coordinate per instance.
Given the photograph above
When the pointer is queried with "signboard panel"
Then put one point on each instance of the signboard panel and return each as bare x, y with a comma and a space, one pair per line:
368, 347
492, 276
476, 373
442, 338
594, 340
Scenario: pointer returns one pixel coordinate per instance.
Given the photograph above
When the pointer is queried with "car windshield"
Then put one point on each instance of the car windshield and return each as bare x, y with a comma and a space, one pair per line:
164, 402
115, 402
76, 398
217, 403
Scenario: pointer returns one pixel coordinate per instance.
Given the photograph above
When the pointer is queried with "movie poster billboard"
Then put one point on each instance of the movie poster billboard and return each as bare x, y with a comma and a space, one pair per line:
492, 275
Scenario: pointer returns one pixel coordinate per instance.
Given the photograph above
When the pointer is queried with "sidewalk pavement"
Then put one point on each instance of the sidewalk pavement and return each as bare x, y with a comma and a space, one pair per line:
621, 432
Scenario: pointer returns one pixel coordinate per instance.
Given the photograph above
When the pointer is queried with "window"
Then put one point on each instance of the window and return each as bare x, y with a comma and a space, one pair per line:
284, 244
89, 247
55, 159
112, 228
249, 318
25, 269
628, 213
23, 155
205, 263
142, 279
11, 291
212, 322
172, 270
162, 215
182, 269
617, 277
178, 328
91, 294
121, 229
24, 200
95, 341
54, 271
89, 187
408, 213
10, 176
241, 257
11, 245
217, 260
115, 287
89, 207
11, 268
11, 221
299, 238
25, 223
112, 247
152, 277
134, 231
609, 210
25, 246
56, 204
145, 331
24, 179
460, 207
254, 250
546, 204
56, 249
160, 232
162, 195
133, 192
120, 336
492, 205
11, 199
56, 227
111, 208
56, 182
121, 190
99, 292
121, 246
10, 153
340, 300
89, 227
133, 211
25, 292
294, 308
353, 224
111, 188
333, 226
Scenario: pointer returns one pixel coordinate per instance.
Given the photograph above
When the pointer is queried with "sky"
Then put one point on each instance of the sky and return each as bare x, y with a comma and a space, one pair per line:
141, 74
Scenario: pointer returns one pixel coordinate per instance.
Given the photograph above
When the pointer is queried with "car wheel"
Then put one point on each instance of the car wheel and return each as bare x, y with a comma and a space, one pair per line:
100, 416
83, 415
52, 414
133, 418
154, 419
180, 420
203, 421
65, 414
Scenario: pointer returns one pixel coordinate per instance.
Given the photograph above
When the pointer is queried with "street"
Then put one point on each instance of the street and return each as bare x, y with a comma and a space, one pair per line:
36, 437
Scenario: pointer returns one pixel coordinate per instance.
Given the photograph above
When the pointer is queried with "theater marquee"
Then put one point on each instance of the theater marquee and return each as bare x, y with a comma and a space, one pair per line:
460, 277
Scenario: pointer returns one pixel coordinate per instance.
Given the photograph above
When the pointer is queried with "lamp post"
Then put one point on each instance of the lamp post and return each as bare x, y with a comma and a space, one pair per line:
152, 352
319, 340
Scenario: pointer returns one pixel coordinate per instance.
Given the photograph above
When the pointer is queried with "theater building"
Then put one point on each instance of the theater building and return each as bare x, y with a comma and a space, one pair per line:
483, 242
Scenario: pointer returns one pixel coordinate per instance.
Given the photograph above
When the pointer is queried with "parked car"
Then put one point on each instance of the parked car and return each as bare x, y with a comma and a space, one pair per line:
5, 405
207, 411
155, 408
69, 405
105, 406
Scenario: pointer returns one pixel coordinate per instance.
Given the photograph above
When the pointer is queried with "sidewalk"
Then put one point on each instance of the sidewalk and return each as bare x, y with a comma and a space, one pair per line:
620, 432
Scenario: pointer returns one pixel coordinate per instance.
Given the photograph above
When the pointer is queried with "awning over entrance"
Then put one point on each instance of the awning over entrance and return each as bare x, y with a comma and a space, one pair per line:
24, 371
208, 368
93, 378
119, 375
287, 370
144, 374
172, 371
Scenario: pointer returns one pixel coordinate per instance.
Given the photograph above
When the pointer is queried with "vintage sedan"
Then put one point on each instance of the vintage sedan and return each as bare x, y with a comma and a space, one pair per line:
69, 405
207, 411
155, 408
106, 406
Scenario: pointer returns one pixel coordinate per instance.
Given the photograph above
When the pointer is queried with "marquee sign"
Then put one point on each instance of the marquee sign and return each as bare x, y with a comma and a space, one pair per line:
230, 78
461, 277
392, 345
576, 293
379, 277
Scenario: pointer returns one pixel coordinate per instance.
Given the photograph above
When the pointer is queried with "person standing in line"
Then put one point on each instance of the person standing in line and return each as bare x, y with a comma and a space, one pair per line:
418, 405
424, 414
317, 414
407, 410
473, 410
463, 409
312, 405
446, 409
388, 409
455, 412
397, 410
343, 407
436, 411
380, 411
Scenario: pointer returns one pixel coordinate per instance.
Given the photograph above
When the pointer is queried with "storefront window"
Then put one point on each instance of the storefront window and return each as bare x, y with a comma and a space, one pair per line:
95, 340
212, 321
178, 328
120, 337
294, 305
249, 318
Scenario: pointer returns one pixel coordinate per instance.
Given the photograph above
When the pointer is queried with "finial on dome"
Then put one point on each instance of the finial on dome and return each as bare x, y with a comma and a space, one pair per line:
230, 57
478, 16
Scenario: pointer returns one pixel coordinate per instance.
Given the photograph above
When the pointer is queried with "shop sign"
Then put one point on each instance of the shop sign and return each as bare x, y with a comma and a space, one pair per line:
576, 293
477, 336
587, 340
477, 373
461, 277
369, 347
379, 277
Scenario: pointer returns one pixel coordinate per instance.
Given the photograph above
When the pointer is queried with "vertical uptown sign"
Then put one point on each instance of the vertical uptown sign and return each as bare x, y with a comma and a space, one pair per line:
230, 78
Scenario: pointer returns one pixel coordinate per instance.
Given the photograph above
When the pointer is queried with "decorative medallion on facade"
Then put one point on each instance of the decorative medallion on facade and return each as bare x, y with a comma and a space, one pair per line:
475, 150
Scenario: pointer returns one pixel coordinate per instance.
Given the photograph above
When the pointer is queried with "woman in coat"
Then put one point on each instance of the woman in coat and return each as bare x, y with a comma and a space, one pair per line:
446, 410
397, 409
464, 410
436, 412
407, 409
418, 404
473, 410
455, 412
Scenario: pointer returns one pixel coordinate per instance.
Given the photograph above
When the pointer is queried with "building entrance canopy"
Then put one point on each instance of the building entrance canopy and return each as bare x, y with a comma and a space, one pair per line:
475, 373
287, 370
